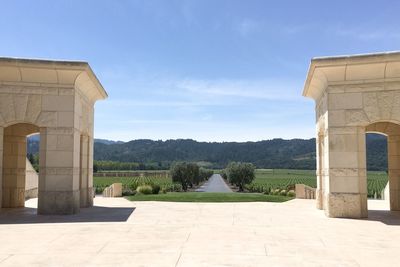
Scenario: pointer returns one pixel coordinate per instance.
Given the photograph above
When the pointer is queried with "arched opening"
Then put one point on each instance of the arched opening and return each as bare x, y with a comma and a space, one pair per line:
383, 164
15, 180
32, 167
377, 169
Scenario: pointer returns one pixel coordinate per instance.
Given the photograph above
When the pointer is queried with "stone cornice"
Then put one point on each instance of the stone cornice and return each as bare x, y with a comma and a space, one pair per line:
52, 72
324, 71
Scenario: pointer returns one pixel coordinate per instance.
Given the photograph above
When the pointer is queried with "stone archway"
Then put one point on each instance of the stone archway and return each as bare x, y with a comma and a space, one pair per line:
392, 132
353, 95
55, 98
14, 164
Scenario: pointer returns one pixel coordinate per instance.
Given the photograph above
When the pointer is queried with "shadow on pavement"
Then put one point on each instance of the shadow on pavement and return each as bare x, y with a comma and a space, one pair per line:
93, 214
385, 216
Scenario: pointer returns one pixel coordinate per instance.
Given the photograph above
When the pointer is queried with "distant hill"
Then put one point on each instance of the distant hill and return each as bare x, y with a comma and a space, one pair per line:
107, 142
376, 152
275, 153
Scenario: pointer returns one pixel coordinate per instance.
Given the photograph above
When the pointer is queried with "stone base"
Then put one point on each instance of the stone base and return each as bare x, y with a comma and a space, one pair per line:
86, 197
31, 193
13, 197
394, 197
58, 202
346, 205
319, 199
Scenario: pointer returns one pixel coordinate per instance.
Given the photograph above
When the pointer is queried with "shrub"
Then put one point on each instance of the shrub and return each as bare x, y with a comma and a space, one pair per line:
224, 175
99, 189
291, 193
164, 191
144, 189
283, 192
128, 192
155, 189
240, 174
176, 188
267, 191
276, 192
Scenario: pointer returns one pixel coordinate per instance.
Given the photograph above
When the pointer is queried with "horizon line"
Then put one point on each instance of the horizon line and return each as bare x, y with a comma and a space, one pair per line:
200, 141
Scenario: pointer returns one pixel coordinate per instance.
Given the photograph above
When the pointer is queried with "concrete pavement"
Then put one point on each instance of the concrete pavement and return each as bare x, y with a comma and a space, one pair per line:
123, 233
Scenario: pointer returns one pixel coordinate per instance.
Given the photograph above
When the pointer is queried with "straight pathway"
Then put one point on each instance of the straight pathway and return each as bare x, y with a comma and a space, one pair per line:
215, 184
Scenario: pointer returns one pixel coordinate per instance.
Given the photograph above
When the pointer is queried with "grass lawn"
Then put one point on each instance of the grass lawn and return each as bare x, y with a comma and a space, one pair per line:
209, 197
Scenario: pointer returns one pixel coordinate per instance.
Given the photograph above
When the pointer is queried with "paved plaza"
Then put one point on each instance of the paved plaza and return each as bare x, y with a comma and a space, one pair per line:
116, 232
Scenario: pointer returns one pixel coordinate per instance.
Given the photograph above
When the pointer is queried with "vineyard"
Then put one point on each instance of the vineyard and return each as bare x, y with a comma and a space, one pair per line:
270, 179
266, 180
131, 183
376, 182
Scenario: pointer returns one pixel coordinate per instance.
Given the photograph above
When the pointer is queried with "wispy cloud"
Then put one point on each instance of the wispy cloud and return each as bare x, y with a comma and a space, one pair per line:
152, 121
204, 109
157, 103
368, 34
187, 10
294, 29
255, 89
189, 92
185, 122
248, 26
211, 131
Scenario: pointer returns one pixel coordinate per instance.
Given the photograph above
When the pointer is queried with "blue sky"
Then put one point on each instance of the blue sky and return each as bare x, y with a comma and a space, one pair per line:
210, 70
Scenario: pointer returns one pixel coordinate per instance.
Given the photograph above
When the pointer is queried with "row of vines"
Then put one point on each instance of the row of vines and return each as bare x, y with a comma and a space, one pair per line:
269, 180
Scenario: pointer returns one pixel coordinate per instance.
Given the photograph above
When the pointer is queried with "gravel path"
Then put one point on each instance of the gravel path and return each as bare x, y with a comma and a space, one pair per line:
214, 184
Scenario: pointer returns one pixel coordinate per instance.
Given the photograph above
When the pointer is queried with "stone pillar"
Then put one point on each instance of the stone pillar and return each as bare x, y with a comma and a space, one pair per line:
59, 171
319, 190
346, 193
90, 170
86, 199
14, 165
1, 166
393, 142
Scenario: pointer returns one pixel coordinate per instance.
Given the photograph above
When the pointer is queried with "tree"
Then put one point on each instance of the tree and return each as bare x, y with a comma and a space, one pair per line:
205, 174
95, 168
185, 173
223, 174
30, 158
34, 160
240, 174
193, 174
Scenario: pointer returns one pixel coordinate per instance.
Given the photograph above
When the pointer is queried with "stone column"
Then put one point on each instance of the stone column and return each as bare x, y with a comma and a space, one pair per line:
59, 171
85, 194
346, 195
393, 141
1, 166
90, 170
319, 191
14, 165
90, 153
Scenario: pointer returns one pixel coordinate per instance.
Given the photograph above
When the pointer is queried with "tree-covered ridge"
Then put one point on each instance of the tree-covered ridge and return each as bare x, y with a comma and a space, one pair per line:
275, 153
376, 152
